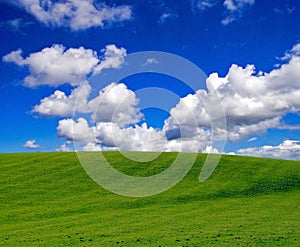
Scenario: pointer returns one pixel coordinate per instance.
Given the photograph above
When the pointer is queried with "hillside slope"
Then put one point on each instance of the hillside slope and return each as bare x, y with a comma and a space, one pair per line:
48, 200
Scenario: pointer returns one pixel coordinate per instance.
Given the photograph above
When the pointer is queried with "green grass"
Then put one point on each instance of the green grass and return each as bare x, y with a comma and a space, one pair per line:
48, 200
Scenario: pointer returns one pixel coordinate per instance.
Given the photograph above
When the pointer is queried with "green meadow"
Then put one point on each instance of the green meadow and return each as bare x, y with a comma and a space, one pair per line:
47, 199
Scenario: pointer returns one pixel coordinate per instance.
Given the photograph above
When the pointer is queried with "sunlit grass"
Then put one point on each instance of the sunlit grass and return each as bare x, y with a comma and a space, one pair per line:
48, 200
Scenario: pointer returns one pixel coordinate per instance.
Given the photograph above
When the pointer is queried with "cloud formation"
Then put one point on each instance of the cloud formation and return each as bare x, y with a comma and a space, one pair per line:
75, 14
56, 65
31, 144
253, 102
117, 104
288, 149
59, 104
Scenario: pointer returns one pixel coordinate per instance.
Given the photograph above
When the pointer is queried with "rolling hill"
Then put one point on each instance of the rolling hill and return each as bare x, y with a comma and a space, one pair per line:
47, 199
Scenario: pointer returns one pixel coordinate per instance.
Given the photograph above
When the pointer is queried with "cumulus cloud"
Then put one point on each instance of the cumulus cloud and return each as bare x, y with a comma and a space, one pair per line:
116, 103
31, 144
141, 138
91, 147
253, 102
110, 136
288, 149
59, 104
76, 130
54, 66
75, 14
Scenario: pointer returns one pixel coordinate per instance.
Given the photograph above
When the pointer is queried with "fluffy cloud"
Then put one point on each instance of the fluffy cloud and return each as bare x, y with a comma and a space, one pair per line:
110, 136
113, 58
91, 147
116, 103
289, 149
31, 144
76, 130
59, 104
55, 65
75, 14
141, 138
252, 102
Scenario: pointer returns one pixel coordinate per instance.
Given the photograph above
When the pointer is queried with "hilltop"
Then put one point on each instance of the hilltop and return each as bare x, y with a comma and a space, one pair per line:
47, 199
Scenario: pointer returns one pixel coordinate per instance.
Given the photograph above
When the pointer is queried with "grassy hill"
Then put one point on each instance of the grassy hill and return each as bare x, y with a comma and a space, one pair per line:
48, 200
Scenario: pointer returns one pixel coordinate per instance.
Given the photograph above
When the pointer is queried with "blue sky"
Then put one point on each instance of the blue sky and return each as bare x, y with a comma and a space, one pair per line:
55, 46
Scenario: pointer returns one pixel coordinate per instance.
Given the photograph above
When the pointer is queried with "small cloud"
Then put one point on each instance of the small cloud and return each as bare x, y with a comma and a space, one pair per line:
31, 144
64, 148
285, 10
295, 51
204, 4
231, 153
288, 149
289, 127
165, 16
211, 150
15, 25
252, 139
151, 60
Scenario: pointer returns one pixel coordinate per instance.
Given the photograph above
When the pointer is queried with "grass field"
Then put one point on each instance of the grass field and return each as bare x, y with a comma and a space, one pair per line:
48, 200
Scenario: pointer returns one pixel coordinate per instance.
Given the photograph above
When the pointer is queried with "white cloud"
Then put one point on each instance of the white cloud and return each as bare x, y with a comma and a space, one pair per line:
76, 130
59, 104
295, 51
165, 16
252, 102
31, 144
55, 65
113, 58
151, 60
252, 139
289, 149
91, 147
116, 103
64, 148
15, 57
204, 4
15, 25
110, 136
75, 14
235, 9
141, 138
